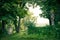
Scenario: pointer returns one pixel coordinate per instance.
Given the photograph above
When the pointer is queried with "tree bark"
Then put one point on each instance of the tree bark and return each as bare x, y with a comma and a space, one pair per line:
3, 26
50, 21
18, 28
52, 17
17, 25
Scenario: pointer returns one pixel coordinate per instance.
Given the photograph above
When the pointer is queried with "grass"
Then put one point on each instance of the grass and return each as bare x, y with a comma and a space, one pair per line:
44, 33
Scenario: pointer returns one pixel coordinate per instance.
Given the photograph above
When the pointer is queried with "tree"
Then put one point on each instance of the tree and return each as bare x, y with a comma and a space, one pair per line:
49, 10
10, 8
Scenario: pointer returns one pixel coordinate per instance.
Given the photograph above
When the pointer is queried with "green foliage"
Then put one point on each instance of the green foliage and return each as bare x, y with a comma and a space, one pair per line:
11, 10
21, 12
46, 7
46, 33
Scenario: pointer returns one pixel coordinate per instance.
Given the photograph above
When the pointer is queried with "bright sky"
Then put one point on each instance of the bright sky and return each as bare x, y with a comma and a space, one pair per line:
40, 21
35, 10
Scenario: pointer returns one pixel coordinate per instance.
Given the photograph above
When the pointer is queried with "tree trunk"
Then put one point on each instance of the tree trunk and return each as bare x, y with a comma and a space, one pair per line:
18, 28
52, 17
3, 26
50, 21
17, 25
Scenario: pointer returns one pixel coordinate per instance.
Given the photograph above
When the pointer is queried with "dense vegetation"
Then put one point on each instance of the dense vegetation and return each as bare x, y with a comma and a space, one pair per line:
12, 11
45, 33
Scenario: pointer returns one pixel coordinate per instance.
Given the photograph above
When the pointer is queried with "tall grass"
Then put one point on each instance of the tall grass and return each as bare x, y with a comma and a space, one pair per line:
37, 33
